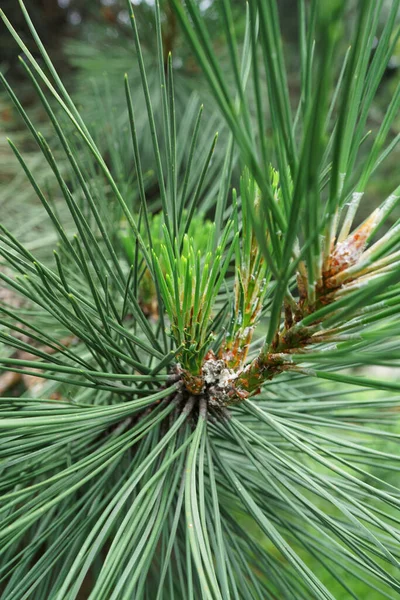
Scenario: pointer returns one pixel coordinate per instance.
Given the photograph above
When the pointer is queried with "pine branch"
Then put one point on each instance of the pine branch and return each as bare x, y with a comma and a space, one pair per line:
206, 435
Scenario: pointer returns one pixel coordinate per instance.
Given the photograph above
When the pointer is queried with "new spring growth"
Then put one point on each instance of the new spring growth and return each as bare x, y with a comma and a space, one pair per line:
192, 284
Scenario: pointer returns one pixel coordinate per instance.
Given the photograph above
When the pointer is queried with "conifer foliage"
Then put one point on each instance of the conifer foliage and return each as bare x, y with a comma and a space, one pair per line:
208, 427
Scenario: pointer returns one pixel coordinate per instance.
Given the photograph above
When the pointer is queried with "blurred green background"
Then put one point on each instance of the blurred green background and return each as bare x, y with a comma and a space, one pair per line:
91, 45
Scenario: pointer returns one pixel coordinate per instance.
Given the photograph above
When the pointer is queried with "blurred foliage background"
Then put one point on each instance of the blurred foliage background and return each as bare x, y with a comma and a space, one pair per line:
91, 45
